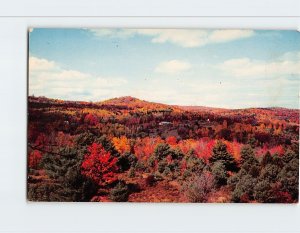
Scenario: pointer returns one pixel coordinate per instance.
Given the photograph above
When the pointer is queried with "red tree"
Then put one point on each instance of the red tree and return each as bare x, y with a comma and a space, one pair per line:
99, 165
172, 141
91, 119
34, 159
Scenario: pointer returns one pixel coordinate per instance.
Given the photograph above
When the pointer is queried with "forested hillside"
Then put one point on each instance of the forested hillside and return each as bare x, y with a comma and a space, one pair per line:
126, 149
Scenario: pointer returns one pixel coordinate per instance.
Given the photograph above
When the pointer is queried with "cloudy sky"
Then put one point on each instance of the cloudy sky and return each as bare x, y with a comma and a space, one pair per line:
217, 68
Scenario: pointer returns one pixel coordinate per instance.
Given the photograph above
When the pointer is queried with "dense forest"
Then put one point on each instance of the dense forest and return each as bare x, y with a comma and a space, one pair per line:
126, 149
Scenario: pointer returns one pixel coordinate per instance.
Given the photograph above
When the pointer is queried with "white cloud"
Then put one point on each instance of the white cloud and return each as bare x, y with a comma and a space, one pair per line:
39, 64
290, 56
172, 67
46, 78
115, 33
182, 37
219, 36
288, 64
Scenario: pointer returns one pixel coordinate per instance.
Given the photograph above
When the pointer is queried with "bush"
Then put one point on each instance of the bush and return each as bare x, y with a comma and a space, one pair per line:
167, 171
186, 174
131, 172
162, 166
161, 151
120, 192
176, 154
151, 161
140, 166
198, 188
126, 161
150, 180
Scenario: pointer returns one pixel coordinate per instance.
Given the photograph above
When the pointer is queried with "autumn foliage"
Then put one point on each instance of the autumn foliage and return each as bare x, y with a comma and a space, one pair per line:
34, 159
126, 149
99, 165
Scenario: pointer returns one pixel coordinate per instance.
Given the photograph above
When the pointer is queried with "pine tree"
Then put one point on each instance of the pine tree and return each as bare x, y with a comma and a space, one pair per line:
221, 154
63, 167
247, 155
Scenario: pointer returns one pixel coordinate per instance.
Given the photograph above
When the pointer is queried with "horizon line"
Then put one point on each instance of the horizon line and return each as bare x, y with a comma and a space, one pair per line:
174, 105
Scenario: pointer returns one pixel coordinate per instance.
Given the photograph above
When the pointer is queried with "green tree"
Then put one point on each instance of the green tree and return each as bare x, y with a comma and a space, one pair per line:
289, 155
161, 151
64, 167
248, 156
243, 191
120, 192
219, 172
262, 192
267, 159
221, 154
289, 178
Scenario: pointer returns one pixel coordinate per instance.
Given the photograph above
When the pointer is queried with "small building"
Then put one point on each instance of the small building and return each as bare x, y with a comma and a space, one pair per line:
165, 123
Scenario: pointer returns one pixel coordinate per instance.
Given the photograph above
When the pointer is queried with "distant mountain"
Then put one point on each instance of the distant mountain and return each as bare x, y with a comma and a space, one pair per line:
200, 108
132, 103
136, 103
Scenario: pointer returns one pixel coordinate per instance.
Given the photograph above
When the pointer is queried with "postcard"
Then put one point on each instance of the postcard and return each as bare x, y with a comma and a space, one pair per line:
163, 115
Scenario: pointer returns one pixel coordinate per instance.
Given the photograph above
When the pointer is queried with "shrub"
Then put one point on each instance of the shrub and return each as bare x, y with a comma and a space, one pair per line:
161, 151
120, 192
198, 188
167, 171
131, 172
34, 160
126, 161
140, 166
150, 180
186, 174
162, 165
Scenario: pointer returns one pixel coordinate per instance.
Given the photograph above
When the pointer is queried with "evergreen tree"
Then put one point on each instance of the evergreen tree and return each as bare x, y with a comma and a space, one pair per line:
64, 168
267, 159
289, 178
221, 154
220, 174
243, 191
161, 151
247, 155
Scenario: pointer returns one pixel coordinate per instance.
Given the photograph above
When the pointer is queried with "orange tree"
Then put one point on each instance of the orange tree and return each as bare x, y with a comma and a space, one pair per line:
99, 165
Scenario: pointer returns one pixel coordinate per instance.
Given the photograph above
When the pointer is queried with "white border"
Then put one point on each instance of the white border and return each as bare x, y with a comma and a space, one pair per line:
16, 215
152, 8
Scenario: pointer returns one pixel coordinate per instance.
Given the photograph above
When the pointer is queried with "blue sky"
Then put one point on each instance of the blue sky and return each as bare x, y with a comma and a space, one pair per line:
217, 68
